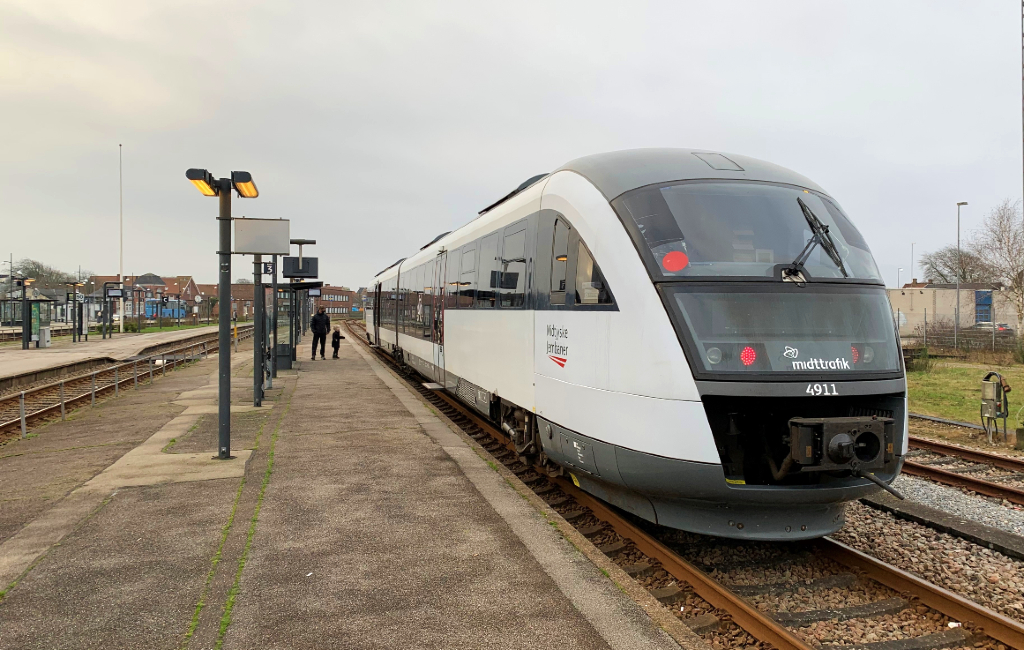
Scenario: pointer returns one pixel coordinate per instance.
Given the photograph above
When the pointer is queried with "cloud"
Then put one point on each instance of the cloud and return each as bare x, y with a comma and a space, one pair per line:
375, 126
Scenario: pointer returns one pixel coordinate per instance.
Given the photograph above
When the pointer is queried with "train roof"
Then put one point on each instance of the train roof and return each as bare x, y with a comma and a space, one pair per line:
617, 172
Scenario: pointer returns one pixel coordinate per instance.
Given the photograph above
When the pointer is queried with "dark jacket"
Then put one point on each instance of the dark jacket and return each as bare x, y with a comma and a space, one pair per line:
320, 323
336, 339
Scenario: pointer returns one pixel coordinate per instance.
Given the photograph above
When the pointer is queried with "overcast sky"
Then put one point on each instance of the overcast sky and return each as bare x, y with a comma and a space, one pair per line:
376, 126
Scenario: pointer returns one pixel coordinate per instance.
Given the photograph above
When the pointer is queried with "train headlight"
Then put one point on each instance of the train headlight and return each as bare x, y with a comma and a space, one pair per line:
869, 354
714, 355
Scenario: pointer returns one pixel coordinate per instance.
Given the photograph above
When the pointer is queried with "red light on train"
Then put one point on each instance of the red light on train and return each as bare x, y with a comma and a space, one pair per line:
748, 356
675, 261
856, 353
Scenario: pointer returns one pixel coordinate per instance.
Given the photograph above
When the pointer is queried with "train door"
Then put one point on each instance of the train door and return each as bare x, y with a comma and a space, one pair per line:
437, 330
376, 313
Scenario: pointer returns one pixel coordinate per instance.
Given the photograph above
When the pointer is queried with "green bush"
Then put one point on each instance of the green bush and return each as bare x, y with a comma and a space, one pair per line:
921, 362
130, 326
1018, 351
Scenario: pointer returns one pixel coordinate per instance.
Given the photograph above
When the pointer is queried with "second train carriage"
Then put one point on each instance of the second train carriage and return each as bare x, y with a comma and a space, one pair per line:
701, 339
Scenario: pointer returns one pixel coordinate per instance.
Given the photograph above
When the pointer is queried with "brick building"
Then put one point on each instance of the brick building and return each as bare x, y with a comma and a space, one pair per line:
340, 302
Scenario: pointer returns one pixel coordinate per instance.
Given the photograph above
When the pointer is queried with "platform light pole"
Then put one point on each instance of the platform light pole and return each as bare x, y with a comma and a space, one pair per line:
899, 284
959, 265
120, 212
242, 183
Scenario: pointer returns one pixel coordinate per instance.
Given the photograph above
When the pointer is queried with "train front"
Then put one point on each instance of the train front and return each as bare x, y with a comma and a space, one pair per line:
785, 323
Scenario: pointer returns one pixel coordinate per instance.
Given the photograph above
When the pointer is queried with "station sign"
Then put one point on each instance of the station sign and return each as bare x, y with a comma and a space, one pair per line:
314, 292
268, 268
115, 293
310, 267
262, 236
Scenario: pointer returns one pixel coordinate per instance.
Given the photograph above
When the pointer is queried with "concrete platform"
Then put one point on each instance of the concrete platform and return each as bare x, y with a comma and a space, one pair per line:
352, 518
14, 361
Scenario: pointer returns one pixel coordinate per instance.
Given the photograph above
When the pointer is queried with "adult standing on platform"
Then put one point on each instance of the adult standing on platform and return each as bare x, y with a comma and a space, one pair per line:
320, 324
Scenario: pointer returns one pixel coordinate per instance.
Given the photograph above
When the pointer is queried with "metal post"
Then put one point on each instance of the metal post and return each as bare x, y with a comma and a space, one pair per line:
117, 381
257, 323
92, 401
224, 335
63, 414
163, 365
992, 315
135, 374
151, 370
21, 408
26, 317
273, 318
925, 327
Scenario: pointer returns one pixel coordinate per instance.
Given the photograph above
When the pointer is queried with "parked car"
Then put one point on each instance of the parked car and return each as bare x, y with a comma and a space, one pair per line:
999, 327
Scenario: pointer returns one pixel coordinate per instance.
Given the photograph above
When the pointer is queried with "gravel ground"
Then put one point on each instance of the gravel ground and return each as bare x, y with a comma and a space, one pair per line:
963, 504
986, 577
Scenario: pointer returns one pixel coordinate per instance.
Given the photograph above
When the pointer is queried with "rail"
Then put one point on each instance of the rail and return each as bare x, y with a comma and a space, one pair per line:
755, 622
993, 489
20, 409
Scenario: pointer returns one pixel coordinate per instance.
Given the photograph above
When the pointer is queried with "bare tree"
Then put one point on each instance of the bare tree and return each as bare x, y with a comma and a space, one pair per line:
44, 274
941, 265
1001, 242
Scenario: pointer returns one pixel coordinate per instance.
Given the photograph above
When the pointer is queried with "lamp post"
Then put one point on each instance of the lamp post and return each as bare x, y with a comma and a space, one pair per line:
959, 265
899, 285
242, 183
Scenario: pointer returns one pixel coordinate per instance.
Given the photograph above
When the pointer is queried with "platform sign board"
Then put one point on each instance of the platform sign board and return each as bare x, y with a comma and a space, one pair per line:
310, 267
115, 293
268, 268
262, 236
314, 292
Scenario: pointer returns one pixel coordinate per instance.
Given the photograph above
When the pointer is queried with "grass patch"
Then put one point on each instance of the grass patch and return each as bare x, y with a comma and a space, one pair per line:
952, 390
492, 465
225, 620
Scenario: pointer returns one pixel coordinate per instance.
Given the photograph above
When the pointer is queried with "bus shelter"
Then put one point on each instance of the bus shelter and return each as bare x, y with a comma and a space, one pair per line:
294, 309
40, 313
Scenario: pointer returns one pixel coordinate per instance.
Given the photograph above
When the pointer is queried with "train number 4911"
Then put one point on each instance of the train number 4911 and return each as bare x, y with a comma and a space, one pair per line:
821, 389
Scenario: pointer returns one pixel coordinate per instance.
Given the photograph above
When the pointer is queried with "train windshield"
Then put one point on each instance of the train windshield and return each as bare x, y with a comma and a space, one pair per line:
742, 228
817, 329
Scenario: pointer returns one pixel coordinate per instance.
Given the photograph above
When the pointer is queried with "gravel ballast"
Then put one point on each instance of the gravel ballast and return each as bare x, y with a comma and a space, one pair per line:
963, 504
987, 577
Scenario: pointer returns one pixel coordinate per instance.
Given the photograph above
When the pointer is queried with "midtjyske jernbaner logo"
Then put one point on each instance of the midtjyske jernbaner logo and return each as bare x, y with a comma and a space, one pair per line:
791, 353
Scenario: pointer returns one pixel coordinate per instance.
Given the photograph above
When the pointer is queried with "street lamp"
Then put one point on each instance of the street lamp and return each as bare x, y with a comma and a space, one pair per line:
899, 285
221, 187
959, 265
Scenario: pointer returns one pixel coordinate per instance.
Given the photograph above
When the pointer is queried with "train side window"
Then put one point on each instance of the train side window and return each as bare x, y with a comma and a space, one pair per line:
451, 282
513, 267
467, 277
591, 288
559, 256
489, 272
418, 302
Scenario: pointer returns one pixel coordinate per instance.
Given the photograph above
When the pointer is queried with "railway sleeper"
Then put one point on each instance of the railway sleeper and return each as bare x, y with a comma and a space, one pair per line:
841, 581
703, 624
867, 610
954, 638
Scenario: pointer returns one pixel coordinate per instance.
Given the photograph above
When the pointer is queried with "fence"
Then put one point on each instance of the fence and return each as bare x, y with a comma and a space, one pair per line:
939, 331
47, 400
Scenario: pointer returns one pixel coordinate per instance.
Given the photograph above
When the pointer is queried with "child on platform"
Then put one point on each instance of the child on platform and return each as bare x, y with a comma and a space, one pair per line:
336, 340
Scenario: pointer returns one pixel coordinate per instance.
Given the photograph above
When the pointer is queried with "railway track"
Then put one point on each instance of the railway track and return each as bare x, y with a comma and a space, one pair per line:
743, 594
20, 410
989, 474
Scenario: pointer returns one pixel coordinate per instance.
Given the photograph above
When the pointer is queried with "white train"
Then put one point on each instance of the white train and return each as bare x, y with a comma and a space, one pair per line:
701, 339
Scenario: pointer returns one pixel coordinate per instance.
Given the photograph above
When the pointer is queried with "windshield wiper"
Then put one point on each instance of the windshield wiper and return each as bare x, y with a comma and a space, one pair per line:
820, 237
